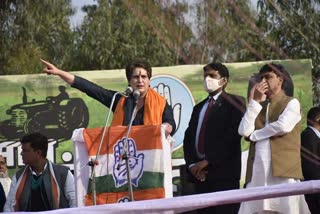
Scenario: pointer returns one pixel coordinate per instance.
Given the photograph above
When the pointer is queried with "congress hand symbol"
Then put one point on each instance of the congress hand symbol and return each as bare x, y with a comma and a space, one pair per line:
164, 90
135, 161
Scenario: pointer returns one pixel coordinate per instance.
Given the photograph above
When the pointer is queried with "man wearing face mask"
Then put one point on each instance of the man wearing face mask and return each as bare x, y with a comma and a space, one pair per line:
212, 148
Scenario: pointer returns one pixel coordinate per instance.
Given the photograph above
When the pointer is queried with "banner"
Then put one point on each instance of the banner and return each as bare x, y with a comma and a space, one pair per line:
39, 102
148, 153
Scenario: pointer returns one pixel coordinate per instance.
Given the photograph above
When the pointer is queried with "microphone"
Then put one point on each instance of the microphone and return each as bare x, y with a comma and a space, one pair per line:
136, 95
128, 91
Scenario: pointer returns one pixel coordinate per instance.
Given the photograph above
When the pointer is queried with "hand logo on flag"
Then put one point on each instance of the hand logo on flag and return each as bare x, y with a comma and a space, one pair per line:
135, 163
164, 91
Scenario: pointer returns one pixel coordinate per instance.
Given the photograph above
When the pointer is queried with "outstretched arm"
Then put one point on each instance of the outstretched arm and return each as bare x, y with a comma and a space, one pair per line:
51, 69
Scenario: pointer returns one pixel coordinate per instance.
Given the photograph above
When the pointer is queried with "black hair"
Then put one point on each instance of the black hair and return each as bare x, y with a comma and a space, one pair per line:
313, 116
280, 71
37, 142
222, 69
138, 63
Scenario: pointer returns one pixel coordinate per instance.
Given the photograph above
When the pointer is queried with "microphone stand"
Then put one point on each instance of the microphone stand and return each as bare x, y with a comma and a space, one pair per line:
125, 155
93, 162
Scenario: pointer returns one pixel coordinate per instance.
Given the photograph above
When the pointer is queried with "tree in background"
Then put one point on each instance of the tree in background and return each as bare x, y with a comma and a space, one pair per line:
30, 31
167, 32
291, 31
115, 32
166, 19
222, 31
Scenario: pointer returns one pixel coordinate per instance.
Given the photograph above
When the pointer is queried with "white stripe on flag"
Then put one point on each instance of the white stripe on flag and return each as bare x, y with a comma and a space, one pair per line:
151, 162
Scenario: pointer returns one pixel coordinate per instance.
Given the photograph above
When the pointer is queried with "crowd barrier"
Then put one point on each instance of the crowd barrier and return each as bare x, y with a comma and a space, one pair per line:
192, 202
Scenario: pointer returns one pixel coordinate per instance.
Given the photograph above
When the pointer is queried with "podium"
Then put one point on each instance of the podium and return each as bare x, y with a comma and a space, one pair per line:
149, 161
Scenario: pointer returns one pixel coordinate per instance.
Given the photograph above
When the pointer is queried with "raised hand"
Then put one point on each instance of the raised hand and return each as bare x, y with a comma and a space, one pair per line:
51, 69
135, 163
258, 91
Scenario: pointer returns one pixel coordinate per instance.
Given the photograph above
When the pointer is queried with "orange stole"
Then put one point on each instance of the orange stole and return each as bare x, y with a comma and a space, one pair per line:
54, 187
154, 105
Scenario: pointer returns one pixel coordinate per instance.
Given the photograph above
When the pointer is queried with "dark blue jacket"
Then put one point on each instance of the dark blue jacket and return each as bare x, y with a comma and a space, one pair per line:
104, 96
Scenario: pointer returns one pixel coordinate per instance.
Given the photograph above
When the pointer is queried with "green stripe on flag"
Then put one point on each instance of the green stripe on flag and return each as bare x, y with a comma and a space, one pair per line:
147, 181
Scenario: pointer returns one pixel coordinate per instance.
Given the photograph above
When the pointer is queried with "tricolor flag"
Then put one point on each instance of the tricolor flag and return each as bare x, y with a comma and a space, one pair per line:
149, 159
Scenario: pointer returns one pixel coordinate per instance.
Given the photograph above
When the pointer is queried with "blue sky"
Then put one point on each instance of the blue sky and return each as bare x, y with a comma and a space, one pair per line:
78, 17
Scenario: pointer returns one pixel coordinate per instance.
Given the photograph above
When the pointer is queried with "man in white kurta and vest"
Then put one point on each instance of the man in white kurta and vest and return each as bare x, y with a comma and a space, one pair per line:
40, 185
272, 126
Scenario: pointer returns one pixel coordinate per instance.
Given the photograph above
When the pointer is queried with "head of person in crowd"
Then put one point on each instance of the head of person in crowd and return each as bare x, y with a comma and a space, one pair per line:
215, 77
34, 148
62, 88
3, 167
139, 73
313, 117
277, 78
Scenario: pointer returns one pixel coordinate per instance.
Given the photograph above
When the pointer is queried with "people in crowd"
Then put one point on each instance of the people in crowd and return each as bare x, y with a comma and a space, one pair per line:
40, 185
310, 155
4, 177
212, 145
271, 123
152, 109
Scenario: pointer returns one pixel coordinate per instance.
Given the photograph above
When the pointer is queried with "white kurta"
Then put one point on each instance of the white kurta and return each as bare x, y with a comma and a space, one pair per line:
6, 182
262, 168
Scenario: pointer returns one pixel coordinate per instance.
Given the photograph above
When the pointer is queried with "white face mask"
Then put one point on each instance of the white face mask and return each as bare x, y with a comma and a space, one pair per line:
211, 84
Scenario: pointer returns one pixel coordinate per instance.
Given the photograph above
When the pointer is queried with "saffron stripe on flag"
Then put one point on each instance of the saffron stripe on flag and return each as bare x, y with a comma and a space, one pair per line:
107, 198
114, 134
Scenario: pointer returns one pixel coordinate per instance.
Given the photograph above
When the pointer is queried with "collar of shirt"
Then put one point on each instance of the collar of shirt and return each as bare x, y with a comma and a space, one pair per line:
34, 173
315, 131
215, 97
